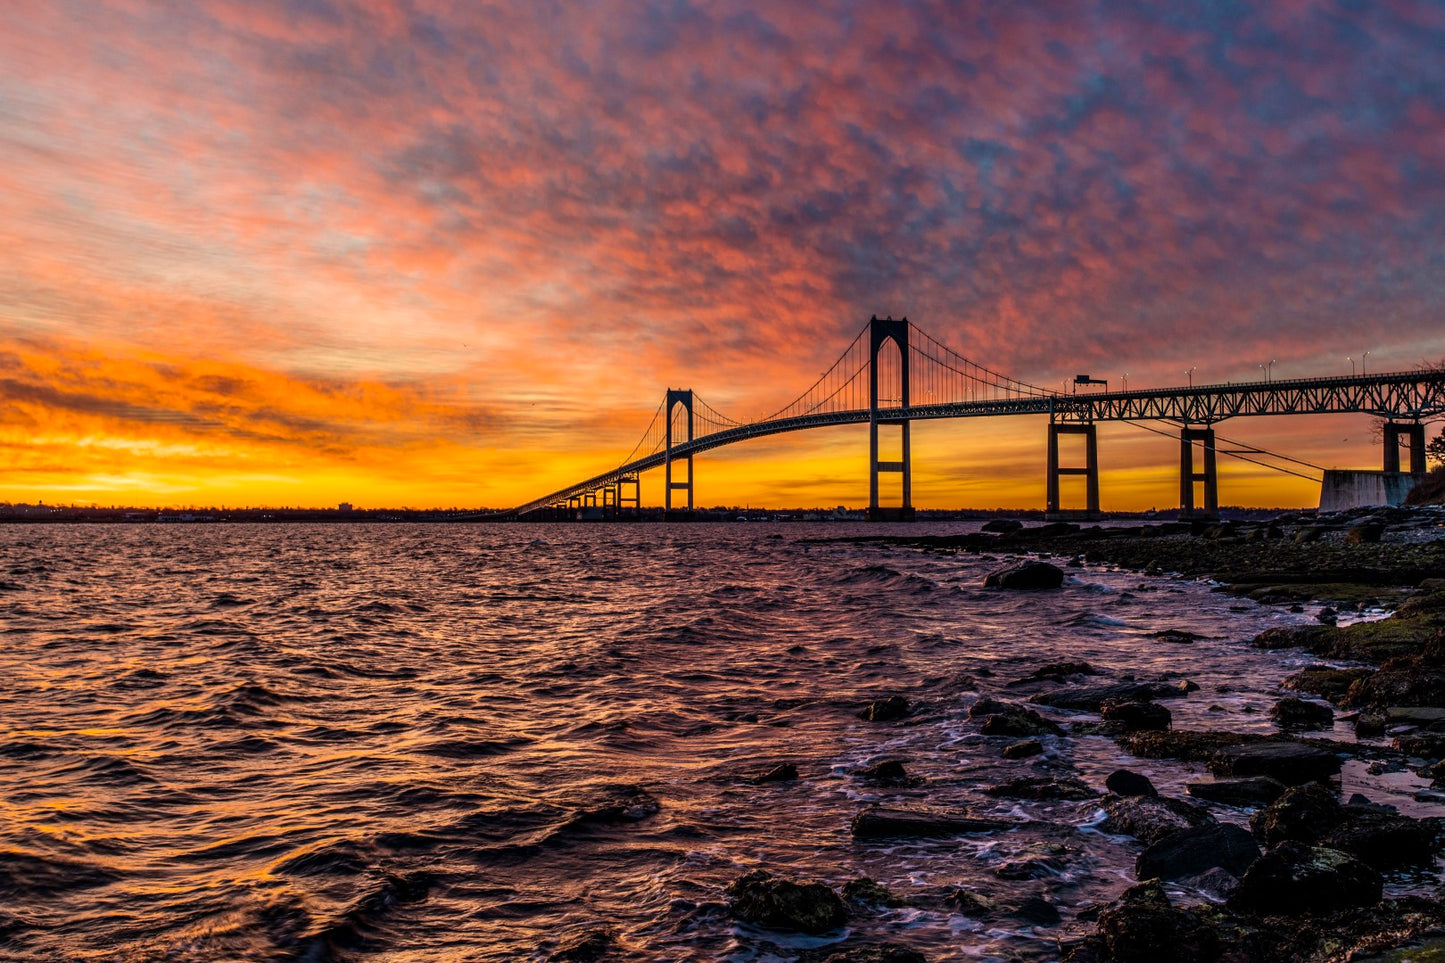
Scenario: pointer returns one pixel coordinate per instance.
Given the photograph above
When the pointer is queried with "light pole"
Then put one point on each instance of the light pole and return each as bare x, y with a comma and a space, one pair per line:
1351, 360
1362, 361
1126, 381
1190, 373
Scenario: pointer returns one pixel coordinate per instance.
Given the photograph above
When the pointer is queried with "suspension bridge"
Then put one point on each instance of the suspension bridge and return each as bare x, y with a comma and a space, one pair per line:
925, 379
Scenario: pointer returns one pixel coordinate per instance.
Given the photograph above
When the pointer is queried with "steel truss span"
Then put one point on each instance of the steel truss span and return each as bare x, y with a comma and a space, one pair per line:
937, 382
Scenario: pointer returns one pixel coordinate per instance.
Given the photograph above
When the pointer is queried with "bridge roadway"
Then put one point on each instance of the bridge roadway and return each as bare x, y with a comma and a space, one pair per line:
1395, 396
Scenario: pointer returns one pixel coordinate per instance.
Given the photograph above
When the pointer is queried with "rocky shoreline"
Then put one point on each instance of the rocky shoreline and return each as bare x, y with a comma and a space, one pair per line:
1307, 879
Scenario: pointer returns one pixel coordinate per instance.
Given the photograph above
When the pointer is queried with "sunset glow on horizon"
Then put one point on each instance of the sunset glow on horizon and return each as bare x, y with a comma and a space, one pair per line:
450, 254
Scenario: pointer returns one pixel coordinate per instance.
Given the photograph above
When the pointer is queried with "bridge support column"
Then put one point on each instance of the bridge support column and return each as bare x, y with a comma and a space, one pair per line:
1414, 432
634, 497
1090, 471
1188, 476
879, 333
675, 397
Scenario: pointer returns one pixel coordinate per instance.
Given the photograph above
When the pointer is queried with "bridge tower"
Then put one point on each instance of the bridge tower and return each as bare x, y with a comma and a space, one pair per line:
880, 332
1090, 471
675, 397
1414, 433
1188, 476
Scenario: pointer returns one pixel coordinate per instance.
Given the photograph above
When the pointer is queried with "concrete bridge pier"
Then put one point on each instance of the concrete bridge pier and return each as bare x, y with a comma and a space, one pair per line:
676, 397
1188, 476
1414, 433
624, 497
880, 332
1090, 471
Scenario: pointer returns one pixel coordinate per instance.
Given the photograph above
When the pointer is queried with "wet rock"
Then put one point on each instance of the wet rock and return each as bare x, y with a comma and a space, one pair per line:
773, 902
1056, 672
1303, 813
1190, 746
1002, 525
1383, 839
1403, 682
1292, 713
1043, 787
1294, 877
1216, 882
1254, 791
1023, 749
782, 772
1123, 782
1036, 910
1332, 684
886, 710
889, 772
627, 804
1000, 718
969, 903
1190, 852
882, 822
1143, 927
1027, 576
1030, 867
1091, 698
1289, 762
864, 892
1369, 725
1151, 818
1177, 636
1136, 716
1425, 745
587, 946
1312, 638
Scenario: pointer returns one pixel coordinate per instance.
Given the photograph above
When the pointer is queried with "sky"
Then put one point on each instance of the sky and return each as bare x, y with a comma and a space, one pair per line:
432, 254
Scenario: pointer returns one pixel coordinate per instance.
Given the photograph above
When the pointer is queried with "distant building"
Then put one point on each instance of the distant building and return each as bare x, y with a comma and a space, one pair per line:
344, 507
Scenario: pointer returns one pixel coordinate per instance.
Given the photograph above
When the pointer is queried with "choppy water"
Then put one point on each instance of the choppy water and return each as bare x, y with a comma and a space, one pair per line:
424, 743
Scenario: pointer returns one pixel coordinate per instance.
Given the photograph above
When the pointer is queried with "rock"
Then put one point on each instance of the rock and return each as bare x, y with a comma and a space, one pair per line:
1383, 839
1289, 762
772, 902
889, 772
1091, 698
1177, 636
1190, 852
1143, 927
627, 804
1364, 533
1056, 672
1123, 782
1027, 576
864, 892
1218, 883
1303, 813
1294, 877
1330, 683
1425, 745
782, 772
1254, 791
1292, 713
1182, 744
969, 903
1369, 725
1401, 683
1000, 718
1002, 525
1023, 749
1151, 818
1042, 787
886, 710
1313, 638
587, 946
1036, 910
1136, 716
882, 822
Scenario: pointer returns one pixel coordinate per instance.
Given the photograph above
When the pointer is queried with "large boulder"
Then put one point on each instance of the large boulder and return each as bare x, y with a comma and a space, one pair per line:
1304, 813
999, 718
1190, 852
1289, 762
886, 710
772, 902
1028, 576
1384, 839
1143, 927
1295, 877
1124, 782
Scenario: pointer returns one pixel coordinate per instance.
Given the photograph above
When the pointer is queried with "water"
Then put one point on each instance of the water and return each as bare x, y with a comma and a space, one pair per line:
426, 743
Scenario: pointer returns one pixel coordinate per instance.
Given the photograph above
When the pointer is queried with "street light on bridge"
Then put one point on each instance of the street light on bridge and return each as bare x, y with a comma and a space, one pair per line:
1268, 369
1362, 361
1190, 373
1351, 360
